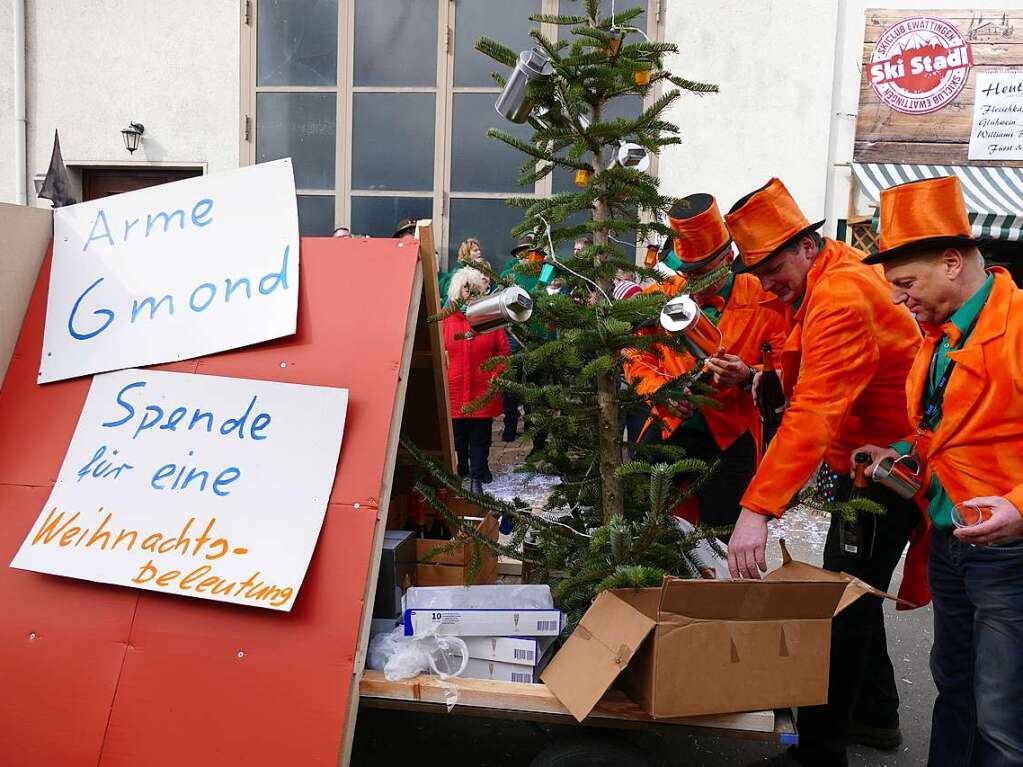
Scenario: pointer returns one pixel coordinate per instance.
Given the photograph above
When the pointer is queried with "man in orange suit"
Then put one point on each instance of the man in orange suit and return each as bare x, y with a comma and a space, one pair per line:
965, 397
746, 317
844, 367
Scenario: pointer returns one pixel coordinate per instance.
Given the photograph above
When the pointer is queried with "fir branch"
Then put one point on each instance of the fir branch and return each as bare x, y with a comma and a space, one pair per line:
560, 19
497, 51
523, 146
692, 86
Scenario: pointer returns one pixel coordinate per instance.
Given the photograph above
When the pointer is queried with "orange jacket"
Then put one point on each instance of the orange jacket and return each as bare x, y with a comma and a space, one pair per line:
844, 367
977, 448
750, 317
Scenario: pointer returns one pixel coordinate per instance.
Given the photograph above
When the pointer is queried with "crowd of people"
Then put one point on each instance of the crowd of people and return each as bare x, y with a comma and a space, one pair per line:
911, 356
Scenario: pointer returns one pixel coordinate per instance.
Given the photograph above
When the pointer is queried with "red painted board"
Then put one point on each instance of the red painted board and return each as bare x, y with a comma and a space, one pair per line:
267, 685
183, 694
36, 422
61, 647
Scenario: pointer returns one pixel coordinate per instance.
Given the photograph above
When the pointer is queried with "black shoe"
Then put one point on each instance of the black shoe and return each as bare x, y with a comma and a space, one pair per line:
784, 759
881, 738
487, 477
475, 487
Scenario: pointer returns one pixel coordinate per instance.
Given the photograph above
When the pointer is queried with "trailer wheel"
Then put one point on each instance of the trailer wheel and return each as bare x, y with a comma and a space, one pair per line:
591, 752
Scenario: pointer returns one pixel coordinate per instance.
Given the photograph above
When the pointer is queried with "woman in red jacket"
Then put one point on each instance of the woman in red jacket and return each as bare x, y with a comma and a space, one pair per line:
466, 382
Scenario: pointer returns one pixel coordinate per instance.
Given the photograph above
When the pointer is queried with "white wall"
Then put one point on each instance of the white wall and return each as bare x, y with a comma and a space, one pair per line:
7, 169
93, 66
773, 61
849, 58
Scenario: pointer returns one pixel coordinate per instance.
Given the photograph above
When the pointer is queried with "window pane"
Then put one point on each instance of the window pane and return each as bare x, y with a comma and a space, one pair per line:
578, 8
315, 215
395, 42
379, 216
297, 42
473, 20
478, 162
490, 222
301, 126
623, 106
392, 141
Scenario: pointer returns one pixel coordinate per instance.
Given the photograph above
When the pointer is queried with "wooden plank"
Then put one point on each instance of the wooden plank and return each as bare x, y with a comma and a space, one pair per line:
886, 135
24, 233
431, 291
975, 25
925, 153
538, 699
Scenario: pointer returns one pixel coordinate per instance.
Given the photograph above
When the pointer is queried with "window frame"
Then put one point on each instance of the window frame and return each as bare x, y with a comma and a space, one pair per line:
443, 89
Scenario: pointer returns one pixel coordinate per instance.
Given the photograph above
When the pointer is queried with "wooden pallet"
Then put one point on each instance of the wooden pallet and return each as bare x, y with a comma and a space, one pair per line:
534, 702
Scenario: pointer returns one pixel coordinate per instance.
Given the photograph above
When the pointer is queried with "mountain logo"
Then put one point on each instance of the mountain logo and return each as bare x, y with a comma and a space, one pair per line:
920, 65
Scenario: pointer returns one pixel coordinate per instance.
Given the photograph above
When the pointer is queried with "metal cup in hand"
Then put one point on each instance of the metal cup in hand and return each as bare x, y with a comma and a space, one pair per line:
505, 307
683, 318
900, 475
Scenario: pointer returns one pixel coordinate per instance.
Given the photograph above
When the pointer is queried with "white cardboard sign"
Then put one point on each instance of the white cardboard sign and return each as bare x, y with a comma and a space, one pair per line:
997, 131
194, 485
172, 272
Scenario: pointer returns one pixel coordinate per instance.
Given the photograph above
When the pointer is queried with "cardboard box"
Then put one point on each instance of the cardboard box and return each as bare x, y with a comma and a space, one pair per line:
697, 647
483, 623
523, 651
450, 568
397, 572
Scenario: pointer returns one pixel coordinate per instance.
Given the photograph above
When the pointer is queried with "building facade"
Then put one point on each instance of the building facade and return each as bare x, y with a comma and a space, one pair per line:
384, 104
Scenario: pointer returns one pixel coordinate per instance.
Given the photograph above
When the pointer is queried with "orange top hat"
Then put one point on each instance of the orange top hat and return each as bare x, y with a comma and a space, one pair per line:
700, 233
921, 214
763, 222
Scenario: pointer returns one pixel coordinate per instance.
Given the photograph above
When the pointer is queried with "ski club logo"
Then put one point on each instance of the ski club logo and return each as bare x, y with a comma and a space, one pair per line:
920, 65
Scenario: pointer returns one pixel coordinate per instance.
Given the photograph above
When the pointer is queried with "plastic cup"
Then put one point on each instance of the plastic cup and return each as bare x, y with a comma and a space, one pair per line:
969, 514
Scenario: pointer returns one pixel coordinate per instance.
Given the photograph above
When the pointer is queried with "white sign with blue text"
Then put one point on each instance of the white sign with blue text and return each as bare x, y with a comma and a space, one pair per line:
193, 485
172, 272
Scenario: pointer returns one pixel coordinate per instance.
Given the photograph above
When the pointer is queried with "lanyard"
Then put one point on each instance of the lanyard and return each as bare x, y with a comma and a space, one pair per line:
936, 399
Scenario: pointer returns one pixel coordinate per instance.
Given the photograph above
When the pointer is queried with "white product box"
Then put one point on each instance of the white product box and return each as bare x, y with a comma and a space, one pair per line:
483, 623
524, 651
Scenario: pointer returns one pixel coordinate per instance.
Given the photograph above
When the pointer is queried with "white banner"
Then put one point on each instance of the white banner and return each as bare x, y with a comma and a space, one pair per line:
172, 272
193, 485
997, 132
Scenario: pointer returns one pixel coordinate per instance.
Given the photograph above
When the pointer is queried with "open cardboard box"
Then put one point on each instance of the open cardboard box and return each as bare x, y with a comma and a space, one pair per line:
696, 647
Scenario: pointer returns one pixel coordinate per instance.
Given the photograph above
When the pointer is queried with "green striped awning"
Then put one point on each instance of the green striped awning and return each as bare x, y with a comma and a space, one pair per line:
993, 195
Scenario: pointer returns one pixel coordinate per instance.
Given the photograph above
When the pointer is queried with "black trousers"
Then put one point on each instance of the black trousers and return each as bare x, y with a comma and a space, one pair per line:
510, 409
721, 495
472, 445
861, 684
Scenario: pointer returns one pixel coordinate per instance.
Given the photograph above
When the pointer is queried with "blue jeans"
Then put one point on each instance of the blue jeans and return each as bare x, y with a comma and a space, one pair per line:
977, 658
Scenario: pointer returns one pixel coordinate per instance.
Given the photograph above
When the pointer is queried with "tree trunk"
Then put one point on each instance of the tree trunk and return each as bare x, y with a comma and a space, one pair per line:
609, 426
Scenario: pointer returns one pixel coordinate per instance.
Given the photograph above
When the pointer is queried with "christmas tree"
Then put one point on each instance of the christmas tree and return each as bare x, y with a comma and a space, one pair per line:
607, 523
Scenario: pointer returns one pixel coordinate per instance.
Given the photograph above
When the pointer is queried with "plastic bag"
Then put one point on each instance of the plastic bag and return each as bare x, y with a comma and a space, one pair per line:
705, 557
401, 657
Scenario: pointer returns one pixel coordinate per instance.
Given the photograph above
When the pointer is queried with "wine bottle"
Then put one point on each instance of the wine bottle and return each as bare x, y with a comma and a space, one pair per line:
439, 529
419, 510
856, 537
770, 396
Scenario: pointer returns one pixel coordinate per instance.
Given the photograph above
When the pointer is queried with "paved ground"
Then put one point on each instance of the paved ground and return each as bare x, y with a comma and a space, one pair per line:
386, 738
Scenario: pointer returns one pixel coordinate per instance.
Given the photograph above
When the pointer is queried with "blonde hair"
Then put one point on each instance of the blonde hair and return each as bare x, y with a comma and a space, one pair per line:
466, 247
467, 276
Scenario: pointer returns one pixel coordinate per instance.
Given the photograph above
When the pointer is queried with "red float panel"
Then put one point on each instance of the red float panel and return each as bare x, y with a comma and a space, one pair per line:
120, 677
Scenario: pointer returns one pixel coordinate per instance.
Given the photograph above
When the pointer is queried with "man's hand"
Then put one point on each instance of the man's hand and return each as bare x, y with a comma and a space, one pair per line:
1005, 523
681, 408
876, 453
747, 546
728, 370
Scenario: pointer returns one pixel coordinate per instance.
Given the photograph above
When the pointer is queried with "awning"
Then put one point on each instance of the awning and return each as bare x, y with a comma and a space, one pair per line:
993, 195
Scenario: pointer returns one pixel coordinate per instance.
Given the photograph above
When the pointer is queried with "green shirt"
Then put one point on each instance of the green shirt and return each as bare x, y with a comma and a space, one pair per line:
939, 505
696, 420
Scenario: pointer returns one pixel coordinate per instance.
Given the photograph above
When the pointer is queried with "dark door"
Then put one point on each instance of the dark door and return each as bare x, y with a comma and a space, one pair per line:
103, 182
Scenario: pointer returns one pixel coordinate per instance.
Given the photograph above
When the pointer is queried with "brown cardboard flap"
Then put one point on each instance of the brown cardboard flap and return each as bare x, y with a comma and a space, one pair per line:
794, 570
595, 654
779, 599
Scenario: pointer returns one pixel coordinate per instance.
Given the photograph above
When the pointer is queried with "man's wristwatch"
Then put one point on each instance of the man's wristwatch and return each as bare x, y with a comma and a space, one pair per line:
747, 385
